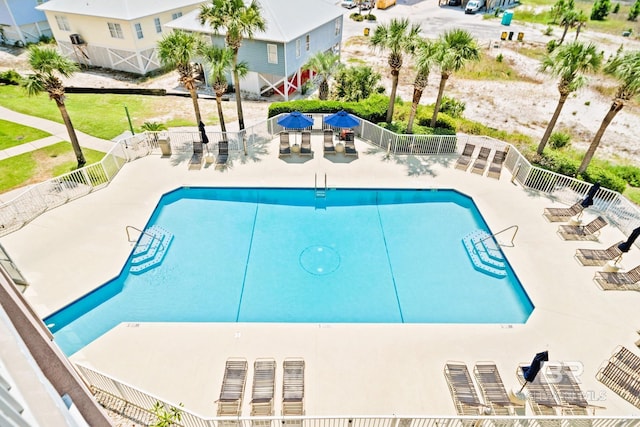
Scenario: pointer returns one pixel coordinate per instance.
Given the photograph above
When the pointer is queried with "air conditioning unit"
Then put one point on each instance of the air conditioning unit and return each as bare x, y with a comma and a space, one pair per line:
76, 39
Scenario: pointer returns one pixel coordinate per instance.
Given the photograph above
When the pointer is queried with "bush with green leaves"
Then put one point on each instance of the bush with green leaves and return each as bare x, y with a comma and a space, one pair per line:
355, 83
631, 174
634, 11
452, 107
616, 8
357, 17
606, 178
370, 17
600, 10
558, 162
548, 31
373, 109
10, 77
559, 140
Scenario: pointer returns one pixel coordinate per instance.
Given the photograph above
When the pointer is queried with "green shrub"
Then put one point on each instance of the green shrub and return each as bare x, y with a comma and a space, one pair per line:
605, 177
371, 17
559, 140
500, 57
373, 109
10, 77
630, 174
559, 162
357, 17
452, 107
616, 8
548, 31
551, 45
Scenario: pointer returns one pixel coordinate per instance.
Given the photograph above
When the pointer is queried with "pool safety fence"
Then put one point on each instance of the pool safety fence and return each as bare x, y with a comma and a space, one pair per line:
251, 142
136, 405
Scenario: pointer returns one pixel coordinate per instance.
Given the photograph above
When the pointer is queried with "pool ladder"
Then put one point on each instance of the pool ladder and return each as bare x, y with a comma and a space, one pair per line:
320, 193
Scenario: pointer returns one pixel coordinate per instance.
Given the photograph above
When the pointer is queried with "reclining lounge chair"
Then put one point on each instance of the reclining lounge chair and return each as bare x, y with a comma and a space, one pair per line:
495, 167
233, 382
621, 374
464, 160
328, 147
293, 390
305, 144
590, 231
350, 145
264, 375
563, 214
539, 393
598, 256
480, 164
223, 152
568, 390
463, 391
492, 388
619, 281
198, 155
285, 148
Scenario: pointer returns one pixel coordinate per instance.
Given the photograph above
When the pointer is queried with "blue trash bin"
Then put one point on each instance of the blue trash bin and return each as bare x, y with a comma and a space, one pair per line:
506, 17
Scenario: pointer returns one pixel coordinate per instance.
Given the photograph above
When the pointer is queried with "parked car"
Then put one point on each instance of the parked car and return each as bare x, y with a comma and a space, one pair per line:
473, 6
349, 4
455, 2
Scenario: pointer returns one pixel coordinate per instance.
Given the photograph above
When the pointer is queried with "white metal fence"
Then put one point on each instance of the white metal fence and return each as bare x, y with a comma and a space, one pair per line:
250, 142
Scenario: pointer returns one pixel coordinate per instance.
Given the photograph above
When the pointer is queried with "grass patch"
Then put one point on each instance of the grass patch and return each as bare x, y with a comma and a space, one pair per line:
40, 165
488, 68
103, 115
13, 134
633, 194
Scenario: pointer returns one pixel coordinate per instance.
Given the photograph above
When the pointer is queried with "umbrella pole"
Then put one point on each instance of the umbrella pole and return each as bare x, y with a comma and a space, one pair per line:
522, 388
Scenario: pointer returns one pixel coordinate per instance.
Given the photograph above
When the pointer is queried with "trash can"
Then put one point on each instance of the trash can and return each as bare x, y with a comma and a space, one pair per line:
503, 36
165, 145
366, 31
520, 37
506, 17
510, 35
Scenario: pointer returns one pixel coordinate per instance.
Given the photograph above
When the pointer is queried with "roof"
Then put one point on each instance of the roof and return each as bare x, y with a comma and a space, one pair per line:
117, 9
286, 20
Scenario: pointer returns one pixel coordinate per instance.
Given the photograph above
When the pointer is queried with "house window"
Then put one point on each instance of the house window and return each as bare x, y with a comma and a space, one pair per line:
63, 24
308, 42
272, 53
298, 48
176, 15
115, 30
139, 31
337, 27
158, 25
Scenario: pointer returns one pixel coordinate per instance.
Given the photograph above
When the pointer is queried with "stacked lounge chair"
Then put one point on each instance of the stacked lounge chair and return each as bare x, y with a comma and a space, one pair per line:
285, 147
590, 231
563, 214
495, 167
492, 388
598, 256
539, 394
264, 376
463, 391
293, 390
464, 160
619, 281
233, 382
305, 144
328, 147
621, 373
480, 164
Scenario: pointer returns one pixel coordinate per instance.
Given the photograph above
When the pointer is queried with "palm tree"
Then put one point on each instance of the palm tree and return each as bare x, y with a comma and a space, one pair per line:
325, 64
176, 50
220, 62
581, 21
47, 64
626, 69
454, 49
424, 61
239, 21
568, 19
569, 62
398, 38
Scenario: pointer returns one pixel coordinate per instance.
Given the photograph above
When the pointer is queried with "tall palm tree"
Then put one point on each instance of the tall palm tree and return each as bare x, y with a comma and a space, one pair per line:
47, 64
454, 49
176, 50
626, 69
325, 64
424, 61
398, 37
581, 21
220, 62
238, 21
569, 62
568, 19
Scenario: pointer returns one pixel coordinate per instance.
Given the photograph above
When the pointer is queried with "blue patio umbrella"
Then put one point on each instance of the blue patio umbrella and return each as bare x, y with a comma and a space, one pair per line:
588, 200
295, 120
625, 246
342, 119
530, 372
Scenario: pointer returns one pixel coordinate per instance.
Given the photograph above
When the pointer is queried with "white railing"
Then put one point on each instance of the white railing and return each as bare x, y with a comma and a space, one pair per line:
252, 142
100, 382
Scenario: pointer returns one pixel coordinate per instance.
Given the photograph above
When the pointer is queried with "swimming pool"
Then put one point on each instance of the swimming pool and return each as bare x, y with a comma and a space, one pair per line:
293, 255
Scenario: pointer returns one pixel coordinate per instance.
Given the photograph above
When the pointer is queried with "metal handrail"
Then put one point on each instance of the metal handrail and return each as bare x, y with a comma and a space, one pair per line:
501, 231
141, 232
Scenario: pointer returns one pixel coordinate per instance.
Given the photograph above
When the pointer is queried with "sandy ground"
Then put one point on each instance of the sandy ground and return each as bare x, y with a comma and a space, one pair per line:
524, 106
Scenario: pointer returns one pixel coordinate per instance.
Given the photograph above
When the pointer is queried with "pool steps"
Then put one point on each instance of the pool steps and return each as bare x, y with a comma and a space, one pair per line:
150, 250
485, 254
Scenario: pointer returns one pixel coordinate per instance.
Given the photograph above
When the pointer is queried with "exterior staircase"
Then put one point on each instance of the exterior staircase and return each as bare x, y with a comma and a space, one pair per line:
150, 250
485, 254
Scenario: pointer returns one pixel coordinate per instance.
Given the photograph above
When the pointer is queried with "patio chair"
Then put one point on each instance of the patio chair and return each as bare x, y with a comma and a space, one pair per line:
350, 145
592, 257
492, 388
293, 389
495, 167
264, 376
464, 160
305, 144
480, 164
463, 391
328, 146
623, 382
626, 360
567, 390
233, 382
563, 214
590, 231
539, 394
285, 148
619, 281
198, 155
223, 152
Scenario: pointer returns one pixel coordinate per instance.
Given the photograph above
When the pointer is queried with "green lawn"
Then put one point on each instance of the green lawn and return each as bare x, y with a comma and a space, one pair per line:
12, 134
39, 165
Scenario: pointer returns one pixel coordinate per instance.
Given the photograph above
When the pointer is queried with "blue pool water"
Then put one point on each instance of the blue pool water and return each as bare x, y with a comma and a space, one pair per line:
283, 255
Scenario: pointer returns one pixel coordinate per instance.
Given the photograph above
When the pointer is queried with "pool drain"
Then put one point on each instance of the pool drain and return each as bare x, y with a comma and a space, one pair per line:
319, 260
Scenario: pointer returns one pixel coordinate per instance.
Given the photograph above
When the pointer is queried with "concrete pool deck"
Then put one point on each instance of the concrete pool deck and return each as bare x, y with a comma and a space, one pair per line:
356, 369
